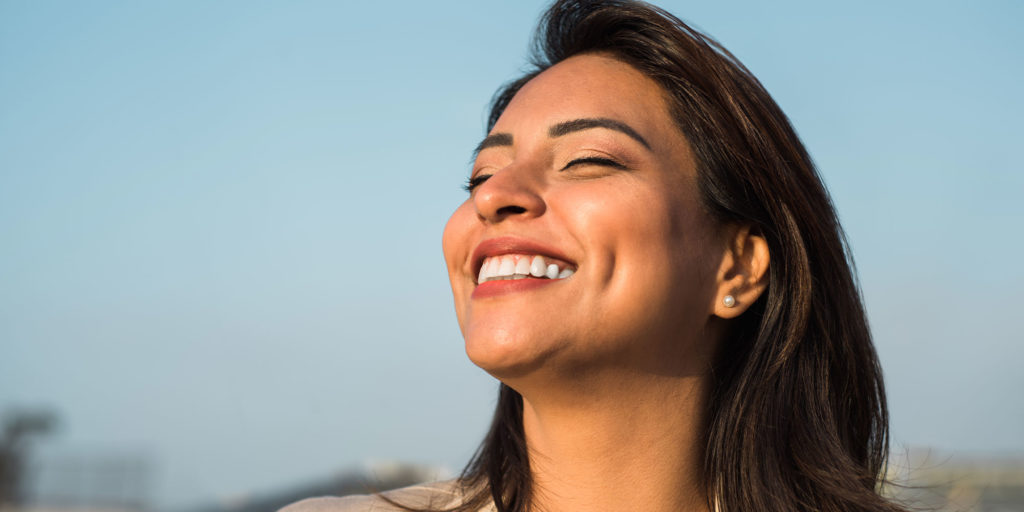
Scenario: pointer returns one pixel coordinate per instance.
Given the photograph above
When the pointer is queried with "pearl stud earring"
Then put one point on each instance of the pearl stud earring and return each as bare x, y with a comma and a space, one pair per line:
729, 301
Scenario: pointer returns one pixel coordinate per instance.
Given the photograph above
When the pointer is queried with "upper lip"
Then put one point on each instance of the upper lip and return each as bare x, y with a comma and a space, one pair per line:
513, 245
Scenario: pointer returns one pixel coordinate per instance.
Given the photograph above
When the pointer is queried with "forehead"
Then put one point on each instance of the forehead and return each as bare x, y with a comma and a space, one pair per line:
590, 85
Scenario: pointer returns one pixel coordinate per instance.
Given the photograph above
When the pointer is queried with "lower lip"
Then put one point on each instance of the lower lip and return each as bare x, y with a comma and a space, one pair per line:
505, 286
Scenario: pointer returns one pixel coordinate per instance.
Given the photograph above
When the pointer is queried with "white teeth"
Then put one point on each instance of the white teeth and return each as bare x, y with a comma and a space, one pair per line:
523, 267
492, 266
508, 266
552, 272
519, 266
489, 270
537, 266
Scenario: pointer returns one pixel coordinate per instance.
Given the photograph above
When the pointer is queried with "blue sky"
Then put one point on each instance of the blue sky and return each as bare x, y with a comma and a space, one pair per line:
221, 220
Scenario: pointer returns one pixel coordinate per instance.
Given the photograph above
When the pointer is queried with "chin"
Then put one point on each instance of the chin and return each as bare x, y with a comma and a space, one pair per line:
505, 355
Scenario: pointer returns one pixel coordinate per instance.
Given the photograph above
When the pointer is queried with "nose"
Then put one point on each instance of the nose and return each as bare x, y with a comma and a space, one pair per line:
510, 192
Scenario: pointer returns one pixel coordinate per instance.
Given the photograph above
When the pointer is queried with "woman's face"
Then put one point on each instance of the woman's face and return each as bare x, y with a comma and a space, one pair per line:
585, 173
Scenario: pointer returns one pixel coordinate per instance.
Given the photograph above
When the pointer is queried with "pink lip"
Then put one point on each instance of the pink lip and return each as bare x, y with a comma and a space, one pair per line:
495, 288
510, 245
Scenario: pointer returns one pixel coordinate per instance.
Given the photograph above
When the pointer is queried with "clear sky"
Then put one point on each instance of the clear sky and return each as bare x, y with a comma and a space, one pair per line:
220, 221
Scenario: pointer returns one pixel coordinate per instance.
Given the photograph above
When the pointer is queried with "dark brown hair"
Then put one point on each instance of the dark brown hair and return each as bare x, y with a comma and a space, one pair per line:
797, 417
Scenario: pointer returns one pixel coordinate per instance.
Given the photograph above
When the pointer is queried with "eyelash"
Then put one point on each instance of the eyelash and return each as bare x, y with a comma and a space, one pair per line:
472, 183
596, 160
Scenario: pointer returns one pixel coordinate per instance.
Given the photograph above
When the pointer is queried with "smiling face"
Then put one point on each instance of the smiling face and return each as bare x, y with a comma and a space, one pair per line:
587, 170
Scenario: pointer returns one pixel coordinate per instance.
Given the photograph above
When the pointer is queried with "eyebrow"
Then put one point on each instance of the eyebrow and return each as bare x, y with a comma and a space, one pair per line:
493, 140
565, 128
577, 125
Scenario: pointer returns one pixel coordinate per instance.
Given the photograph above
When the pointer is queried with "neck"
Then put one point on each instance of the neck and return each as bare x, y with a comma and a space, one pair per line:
634, 446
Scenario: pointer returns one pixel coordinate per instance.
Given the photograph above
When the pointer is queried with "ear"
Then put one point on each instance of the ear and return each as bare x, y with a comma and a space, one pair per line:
743, 274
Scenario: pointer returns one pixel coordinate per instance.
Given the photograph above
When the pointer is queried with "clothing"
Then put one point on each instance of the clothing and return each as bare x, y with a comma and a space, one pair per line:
437, 495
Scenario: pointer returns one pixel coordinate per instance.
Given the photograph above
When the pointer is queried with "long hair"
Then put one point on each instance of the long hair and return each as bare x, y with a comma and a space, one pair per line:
797, 418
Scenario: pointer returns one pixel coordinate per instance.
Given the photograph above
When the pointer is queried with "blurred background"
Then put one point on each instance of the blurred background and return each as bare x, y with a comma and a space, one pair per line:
221, 282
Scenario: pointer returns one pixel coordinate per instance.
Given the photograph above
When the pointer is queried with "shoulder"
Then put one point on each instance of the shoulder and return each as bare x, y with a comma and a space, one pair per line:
434, 495
332, 504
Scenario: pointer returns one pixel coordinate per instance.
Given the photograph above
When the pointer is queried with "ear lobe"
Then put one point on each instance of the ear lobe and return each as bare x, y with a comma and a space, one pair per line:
743, 274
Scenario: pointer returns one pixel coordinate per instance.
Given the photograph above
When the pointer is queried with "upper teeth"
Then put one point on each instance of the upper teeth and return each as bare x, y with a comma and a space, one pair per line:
520, 266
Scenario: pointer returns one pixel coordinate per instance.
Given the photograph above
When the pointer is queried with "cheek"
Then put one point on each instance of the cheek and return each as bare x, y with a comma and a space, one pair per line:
456, 238
651, 265
633, 232
456, 242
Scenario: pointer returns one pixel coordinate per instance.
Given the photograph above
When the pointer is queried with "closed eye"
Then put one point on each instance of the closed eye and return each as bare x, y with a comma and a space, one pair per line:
594, 160
474, 182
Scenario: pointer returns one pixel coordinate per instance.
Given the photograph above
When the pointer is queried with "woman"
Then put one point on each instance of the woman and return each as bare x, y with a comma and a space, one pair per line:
651, 266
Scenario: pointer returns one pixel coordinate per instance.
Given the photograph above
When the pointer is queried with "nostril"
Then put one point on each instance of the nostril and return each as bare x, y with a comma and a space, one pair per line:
511, 210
